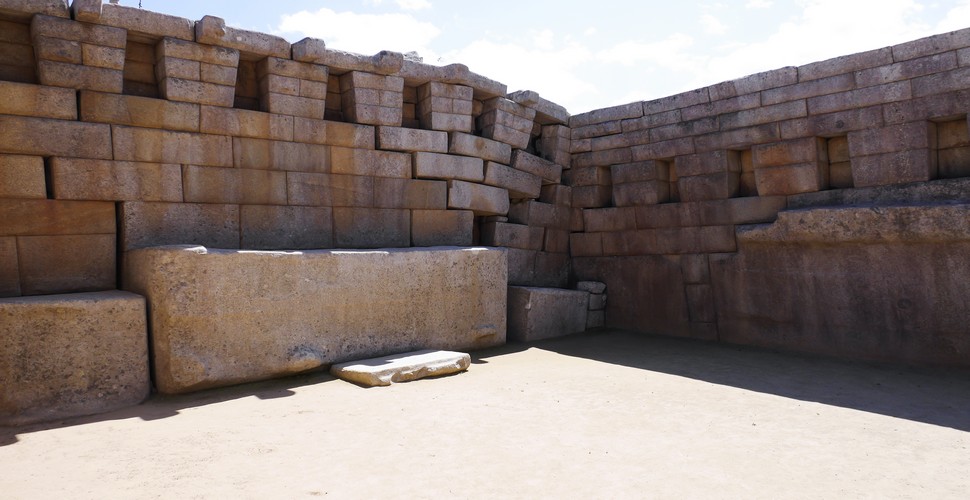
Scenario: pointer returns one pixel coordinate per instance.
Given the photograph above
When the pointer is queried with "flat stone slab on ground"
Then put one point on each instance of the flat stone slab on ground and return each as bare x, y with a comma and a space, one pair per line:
402, 367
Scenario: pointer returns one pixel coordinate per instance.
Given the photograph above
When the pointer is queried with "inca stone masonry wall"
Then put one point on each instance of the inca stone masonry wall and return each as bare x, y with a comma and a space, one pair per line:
820, 208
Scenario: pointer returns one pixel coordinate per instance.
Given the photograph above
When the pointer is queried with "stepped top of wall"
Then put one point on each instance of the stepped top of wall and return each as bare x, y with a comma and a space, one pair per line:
147, 26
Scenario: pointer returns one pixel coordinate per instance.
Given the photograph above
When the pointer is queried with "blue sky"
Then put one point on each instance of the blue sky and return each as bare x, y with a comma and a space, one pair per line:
586, 55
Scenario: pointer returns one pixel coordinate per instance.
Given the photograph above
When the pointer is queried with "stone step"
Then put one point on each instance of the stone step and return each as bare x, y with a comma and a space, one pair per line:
401, 367
536, 313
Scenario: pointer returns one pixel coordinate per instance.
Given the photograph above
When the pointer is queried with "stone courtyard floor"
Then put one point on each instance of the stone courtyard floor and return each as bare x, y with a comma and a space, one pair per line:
600, 415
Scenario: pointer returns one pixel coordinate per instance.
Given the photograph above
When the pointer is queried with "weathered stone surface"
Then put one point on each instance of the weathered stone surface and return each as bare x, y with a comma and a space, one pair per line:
138, 111
22, 177
66, 263
369, 162
147, 25
547, 170
44, 137
442, 166
442, 228
312, 309
371, 227
547, 112
27, 217
479, 198
163, 146
519, 184
348, 135
70, 355
480, 147
411, 140
213, 31
540, 313
37, 101
404, 367
146, 224
272, 227
77, 179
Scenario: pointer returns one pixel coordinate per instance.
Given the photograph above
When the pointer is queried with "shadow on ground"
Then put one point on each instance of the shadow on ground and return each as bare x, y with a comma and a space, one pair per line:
938, 397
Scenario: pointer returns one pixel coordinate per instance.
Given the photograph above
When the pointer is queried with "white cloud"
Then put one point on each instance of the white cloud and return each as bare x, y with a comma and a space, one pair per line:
758, 4
363, 33
413, 4
713, 25
672, 53
958, 17
552, 68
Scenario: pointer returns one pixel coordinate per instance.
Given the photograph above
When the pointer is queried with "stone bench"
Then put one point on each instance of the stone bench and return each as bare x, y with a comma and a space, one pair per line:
221, 317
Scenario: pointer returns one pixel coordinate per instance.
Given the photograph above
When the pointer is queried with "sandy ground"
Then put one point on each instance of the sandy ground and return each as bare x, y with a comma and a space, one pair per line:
603, 415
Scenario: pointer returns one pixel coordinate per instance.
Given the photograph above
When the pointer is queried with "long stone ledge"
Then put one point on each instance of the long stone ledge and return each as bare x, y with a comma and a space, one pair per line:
221, 317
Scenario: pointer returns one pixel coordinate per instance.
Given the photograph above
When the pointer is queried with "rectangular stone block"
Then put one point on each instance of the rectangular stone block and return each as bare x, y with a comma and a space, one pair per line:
371, 227
9, 267
914, 165
442, 166
178, 89
556, 194
72, 355
640, 193
163, 146
519, 184
556, 241
45, 137
329, 190
22, 177
608, 157
503, 234
369, 162
245, 123
514, 138
696, 268
708, 187
233, 185
868, 96
23, 217
710, 162
79, 179
893, 138
348, 135
442, 228
807, 150
145, 224
792, 179
591, 196
58, 74
411, 140
540, 313
479, 147
621, 112
547, 170
417, 194
269, 227
479, 198
138, 111
535, 213
315, 308
280, 155
37, 101
66, 263
639, 171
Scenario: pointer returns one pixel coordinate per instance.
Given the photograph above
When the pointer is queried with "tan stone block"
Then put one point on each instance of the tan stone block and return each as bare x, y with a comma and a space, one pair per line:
22, 10
441, 228
41, 25
22, 217
556, 241
147, 224
481, 199
180, 49
331, 133
138, 111
72, 355
22, 177
342, 306
588, 176
79, 179
810, 149
535, 213
293, 105
708, 187
371, 227
641, 193
233, 185
245, 123
177, 89
45, 137
213, 30
88, 11
791, 179
442, 166
9, 267
37, 101
902, 167
368, 162
280, 155
480, 147
547, 170
270, 227
510, 136
174, 67
411, 140
556, 194
518, 183
640, 171
75, 76
591, 196
373, 115
542, 313
392, 192
329, 190
586, 244
503, 234
711, 162
163, 146
103, 57
360, 79
145, 25
217, 74
66, 263
293, 69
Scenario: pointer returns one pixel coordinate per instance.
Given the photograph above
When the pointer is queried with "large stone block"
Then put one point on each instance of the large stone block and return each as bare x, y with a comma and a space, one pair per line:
163, 146
479, 147
311, 309
273, 227
69, 355
442, 228
519, 184
369, 162
479, 198
146, 224
280, 155
78, 179
371, 227
66, 263
442, 166
550, 172
541, 313
45, 137
138, 111
37, 101
22, 177
411, 140
44, 217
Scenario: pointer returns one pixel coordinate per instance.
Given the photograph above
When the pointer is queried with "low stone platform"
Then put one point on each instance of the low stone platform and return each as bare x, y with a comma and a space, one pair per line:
536, 313
402, 367
72, 354
221, 317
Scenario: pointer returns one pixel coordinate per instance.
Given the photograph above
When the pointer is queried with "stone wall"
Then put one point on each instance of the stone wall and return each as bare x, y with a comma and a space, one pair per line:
818, 208
858, 158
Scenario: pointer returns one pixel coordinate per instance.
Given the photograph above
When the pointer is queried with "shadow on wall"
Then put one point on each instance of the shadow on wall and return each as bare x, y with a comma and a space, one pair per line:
932, 397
